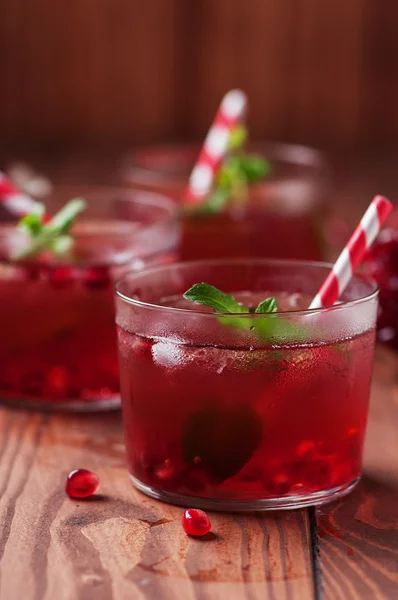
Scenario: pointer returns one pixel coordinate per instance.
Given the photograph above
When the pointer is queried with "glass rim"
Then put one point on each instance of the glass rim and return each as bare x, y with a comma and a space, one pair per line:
150, 199
230, 261
314, 158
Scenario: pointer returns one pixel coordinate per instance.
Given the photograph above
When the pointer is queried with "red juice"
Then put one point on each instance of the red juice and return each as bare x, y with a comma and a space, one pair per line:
217, 417
58, 343
283, 217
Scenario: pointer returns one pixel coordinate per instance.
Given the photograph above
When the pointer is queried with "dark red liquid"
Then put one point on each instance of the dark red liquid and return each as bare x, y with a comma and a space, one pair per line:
258, 233
225, 423
58, 341
282, 218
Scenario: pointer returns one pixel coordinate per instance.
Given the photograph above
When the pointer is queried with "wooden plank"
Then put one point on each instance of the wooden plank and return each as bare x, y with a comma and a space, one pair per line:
359, 536
122, 544
379, 81
94, 70
327, 56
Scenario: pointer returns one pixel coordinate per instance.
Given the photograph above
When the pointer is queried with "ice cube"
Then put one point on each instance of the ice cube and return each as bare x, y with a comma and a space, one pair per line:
168, 354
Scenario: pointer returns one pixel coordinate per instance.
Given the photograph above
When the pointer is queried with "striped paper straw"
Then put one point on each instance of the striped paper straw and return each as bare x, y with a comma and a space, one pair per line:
15, 202
215, 147
362, 238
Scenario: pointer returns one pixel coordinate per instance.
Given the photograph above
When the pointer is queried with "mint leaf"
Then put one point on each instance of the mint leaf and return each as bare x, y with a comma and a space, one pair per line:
278, 328
64, 218
208, 295
269, 305
62, 244
214, 204
274, 327
230, 173
253, 167
237, 171
32, 223
52, 235
237, 138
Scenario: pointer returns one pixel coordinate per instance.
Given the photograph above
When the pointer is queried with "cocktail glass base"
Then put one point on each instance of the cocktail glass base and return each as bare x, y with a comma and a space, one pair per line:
231, 505
78, 406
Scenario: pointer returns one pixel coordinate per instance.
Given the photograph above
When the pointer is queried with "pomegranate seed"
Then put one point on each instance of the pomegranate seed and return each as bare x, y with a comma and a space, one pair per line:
57, 382
352, 431
281, 484
61, 276
81, 483
96, 277
168, 474
142, 347
306, 449
195, 522
32, 272
165, 471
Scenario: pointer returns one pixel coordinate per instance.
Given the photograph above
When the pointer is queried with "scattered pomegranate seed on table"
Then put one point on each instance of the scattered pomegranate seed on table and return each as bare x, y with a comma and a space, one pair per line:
81, 483
195, 522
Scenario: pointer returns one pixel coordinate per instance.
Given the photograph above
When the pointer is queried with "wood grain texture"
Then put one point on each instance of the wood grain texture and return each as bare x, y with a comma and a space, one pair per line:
115, 70
121, 544
359, 536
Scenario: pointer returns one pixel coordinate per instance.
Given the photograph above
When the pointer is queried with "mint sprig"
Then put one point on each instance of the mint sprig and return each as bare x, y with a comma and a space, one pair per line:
208, 295
267, 306
271, 328
53, 235
238, 170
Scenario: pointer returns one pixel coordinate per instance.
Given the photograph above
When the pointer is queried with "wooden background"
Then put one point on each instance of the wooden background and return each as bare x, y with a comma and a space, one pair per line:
88, 71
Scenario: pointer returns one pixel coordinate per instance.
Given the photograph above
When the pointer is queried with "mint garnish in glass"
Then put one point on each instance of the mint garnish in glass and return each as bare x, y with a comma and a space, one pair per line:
52, 235
208, 295
266, 329
237, 172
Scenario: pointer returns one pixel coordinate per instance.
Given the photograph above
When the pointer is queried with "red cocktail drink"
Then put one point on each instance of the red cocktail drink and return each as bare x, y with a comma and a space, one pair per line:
244, 411
58, 343
283, 217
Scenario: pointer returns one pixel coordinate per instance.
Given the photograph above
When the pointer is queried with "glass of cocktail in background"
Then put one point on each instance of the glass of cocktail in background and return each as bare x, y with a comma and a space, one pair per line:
244, 411
58, 342
284, 216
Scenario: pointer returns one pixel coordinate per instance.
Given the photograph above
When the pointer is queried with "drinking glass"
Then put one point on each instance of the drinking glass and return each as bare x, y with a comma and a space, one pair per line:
244, 411
58, 342
284, 215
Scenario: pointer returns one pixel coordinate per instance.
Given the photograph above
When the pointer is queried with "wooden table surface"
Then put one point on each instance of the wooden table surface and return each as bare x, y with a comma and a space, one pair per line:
122, 545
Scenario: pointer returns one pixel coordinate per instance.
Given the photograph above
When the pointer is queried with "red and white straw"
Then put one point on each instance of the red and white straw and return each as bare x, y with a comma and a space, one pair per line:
231, 111
362, 238
15, 202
